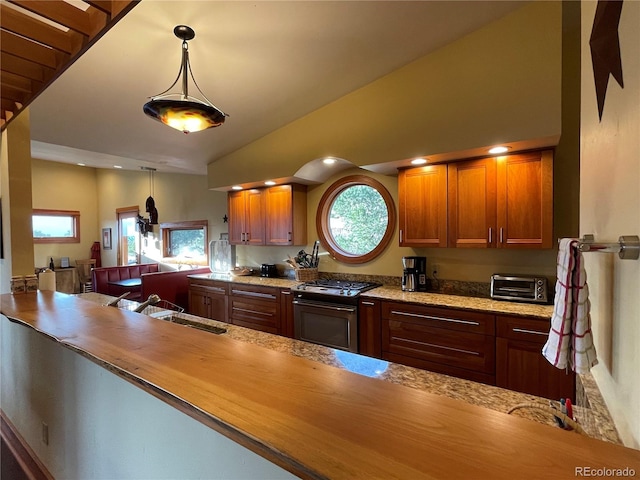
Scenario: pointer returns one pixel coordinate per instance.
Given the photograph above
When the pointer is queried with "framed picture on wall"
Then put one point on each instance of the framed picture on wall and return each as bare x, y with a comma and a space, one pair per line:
106, 239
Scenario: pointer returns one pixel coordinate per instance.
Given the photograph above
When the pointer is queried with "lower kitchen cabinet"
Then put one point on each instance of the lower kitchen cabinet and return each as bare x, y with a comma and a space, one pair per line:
208, 299
520, 363
369, 328
453, 342
286, 310
255, 307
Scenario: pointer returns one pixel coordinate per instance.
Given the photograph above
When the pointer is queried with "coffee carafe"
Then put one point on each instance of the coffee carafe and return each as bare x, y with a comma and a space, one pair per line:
414, 275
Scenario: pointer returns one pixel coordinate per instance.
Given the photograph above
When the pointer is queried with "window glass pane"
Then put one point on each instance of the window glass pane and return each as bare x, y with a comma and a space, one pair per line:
130, 241
358, 219
45, 226
187, 243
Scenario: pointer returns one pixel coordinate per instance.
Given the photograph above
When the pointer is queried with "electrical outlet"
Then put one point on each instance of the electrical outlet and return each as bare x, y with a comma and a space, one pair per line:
435, 269
45, 433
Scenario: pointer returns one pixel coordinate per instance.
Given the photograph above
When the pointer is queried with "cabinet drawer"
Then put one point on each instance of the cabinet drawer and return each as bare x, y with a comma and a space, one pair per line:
211, 287
524, 329
256, 314
266, 294
450, 347
443, 318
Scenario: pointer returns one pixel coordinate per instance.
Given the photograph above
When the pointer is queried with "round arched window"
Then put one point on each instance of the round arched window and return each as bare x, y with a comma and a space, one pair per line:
355, 219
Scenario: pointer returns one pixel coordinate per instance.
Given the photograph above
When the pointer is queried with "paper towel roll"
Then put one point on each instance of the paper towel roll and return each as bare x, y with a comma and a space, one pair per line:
47, 280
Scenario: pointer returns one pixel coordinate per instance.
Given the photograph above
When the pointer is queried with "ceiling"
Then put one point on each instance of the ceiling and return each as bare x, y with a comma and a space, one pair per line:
263, 63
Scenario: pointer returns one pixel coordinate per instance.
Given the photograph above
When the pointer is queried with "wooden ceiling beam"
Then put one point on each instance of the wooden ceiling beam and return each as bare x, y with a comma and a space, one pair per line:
64, 14
29, 50
36, 30
25, 68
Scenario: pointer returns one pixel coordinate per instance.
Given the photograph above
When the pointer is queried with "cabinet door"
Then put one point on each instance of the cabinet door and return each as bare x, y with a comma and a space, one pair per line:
369, 328
525, 200
235, 204
254, 217
286, 308
279, 215
198, 302
472, 203
520, 364
422, 194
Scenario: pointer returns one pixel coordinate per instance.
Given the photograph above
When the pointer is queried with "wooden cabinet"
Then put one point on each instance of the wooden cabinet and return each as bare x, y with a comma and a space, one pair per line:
255, 306
502, 202
286, 311
286, 215
208, 299
268, 216
520, 364
453, 342
369, 328
422, 206
472, 203
246, 217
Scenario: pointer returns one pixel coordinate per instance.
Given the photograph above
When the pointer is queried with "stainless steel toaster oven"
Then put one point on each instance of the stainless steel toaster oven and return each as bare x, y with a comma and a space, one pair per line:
519, 288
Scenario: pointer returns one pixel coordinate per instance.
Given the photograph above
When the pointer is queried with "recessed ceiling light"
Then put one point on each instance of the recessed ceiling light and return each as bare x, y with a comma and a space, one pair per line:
270, 183
418, 161
236, 187
81, 164
117, 166
499, 149
329, 161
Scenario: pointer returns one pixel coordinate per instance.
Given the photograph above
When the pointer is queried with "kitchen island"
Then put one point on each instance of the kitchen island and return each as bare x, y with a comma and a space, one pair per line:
312, 419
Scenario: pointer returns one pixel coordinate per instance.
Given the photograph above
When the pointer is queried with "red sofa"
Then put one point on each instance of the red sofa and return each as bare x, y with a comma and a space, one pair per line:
104, 275
172, 286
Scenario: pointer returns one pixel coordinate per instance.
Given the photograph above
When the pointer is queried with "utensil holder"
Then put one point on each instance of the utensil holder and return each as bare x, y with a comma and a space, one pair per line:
306, 274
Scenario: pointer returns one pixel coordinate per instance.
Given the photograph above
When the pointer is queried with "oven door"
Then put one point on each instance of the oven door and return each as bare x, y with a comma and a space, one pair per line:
326, 324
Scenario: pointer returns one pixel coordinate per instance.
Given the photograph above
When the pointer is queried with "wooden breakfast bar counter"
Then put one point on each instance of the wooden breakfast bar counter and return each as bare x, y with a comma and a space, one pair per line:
311, 419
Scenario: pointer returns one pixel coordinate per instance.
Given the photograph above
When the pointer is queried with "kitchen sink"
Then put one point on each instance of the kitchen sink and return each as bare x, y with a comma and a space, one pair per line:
192, 324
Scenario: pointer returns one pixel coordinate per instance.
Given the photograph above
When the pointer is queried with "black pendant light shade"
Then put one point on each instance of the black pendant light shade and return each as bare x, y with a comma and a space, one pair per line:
186, 113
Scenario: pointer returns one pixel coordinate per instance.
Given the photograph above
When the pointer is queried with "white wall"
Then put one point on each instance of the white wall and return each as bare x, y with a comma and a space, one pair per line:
610, 207
101, 426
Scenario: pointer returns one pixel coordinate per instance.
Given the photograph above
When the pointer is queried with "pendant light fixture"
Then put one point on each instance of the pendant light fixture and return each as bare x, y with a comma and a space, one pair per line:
187, 113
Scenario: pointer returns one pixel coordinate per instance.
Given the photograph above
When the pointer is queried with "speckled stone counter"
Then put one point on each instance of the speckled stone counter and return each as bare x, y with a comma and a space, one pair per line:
495, 398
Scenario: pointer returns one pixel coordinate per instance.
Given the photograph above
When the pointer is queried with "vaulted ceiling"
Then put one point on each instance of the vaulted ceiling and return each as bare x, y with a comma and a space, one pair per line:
40, 39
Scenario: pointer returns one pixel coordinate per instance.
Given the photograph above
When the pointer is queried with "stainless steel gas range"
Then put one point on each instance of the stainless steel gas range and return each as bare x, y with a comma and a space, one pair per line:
326, 312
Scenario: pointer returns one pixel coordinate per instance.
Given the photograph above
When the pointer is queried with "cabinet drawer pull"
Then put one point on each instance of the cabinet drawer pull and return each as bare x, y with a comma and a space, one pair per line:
490, 235
533, 332
253, 294
367, 303
459, 350
253, 312
501, 235
285, 293
441, 319
400, 236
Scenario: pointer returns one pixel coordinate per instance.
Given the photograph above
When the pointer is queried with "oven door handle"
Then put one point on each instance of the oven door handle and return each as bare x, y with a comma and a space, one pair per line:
328, 307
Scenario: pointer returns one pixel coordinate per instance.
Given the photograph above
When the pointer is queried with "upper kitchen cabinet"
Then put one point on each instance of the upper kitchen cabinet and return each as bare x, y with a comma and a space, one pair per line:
246, 217
286, 215
422, 195
502, 202
268, 216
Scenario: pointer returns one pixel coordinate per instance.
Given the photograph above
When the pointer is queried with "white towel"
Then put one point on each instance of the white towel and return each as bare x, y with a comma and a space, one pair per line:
570, 342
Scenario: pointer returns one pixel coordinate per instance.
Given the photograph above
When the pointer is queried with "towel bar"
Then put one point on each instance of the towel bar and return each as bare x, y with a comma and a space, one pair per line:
627, 248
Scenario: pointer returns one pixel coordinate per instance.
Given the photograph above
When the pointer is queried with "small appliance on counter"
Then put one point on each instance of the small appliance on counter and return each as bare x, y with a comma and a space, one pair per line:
519, 288
414, 275
268, 270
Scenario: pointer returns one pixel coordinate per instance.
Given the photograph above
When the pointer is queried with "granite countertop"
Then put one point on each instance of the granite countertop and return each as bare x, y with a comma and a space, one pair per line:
395, 293
494, 398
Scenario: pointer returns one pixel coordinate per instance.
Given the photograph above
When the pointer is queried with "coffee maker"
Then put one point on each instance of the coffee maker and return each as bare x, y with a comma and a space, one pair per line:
414, 275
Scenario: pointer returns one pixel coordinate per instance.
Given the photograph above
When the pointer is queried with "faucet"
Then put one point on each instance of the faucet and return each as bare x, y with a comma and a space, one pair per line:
152, 300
